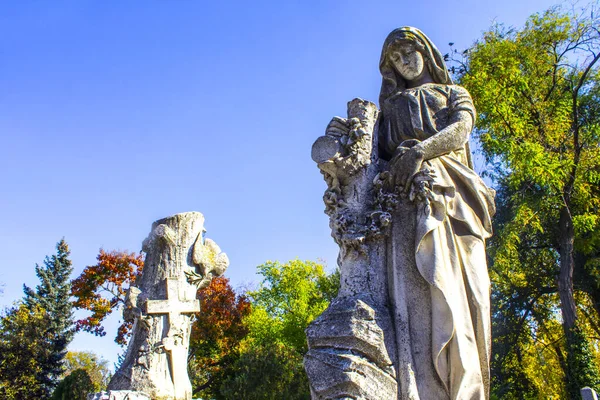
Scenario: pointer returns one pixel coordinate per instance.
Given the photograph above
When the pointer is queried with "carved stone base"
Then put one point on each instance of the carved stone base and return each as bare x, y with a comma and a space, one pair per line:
349, 356
118, 395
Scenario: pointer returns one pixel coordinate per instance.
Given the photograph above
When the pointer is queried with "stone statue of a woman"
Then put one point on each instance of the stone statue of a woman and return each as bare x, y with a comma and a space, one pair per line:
439, 283
438, 216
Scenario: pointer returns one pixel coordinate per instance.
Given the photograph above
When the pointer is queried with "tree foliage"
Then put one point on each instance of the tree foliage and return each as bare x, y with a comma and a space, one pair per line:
95, 366
270, 365
252, 346
267, 373
101, 289
23, 350
216, 335
290, 296
75, 386
537, 91
52, 296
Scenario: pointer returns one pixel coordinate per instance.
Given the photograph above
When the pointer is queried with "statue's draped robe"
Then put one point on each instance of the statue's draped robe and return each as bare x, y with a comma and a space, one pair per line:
439, 282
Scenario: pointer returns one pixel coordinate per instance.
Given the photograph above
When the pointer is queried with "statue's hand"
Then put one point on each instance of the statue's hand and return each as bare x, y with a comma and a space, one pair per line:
404, 165
338, 127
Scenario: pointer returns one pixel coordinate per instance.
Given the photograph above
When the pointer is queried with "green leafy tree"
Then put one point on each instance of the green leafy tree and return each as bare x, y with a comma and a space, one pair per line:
52, 295
95, 366
290, 296
75, 386
23, 349
537, 91
270, 365
267, 373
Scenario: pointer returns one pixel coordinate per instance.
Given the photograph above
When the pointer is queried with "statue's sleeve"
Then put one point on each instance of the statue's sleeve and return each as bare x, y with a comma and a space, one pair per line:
460, 100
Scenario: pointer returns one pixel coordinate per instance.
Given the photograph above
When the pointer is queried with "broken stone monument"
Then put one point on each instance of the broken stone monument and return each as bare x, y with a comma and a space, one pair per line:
179, 261
410, 216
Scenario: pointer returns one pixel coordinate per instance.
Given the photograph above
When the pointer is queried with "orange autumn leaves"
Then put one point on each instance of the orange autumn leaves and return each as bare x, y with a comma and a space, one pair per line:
220, 318
102, 287
216, 334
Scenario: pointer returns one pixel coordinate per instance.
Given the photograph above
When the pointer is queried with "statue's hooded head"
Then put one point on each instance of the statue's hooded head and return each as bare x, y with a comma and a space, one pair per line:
392, 81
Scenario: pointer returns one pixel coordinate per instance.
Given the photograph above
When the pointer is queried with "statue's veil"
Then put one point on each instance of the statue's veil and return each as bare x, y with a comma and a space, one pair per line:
392, 82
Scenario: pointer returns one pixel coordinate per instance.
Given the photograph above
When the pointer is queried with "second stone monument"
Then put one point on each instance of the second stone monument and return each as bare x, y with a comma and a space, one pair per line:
179, 261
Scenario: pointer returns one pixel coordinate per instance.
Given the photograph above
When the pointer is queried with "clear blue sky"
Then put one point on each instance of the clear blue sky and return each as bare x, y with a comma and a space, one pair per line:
115, 114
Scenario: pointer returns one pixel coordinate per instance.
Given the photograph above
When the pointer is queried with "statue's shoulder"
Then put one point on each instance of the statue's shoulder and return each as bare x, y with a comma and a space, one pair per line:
449, 92
457, 90
459, 97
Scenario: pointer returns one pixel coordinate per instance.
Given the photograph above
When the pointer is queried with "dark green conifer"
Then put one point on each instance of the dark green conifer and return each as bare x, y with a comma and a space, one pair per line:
52, 295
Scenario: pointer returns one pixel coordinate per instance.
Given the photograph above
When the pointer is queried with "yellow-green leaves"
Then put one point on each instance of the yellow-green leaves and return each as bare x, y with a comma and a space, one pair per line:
290, 296
540, 125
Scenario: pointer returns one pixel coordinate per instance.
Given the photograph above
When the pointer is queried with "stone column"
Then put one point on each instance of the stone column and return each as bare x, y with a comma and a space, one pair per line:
351, 353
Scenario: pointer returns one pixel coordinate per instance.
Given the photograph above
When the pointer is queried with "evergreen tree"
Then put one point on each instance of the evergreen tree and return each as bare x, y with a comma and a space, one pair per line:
52, 295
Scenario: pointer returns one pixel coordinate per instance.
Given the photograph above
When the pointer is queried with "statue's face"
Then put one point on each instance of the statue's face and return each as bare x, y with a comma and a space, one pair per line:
407, 60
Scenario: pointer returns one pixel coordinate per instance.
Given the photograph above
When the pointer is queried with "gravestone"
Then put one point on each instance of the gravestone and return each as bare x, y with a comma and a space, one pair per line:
179, 261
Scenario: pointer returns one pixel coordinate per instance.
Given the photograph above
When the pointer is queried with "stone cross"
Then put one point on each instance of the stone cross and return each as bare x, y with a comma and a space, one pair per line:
174, 307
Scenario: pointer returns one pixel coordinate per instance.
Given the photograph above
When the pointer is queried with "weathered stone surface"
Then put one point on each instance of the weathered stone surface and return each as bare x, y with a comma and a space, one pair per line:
178, 261
326, 148
412, 318
350, 355
118, 395
349, 376
353, 325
